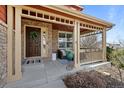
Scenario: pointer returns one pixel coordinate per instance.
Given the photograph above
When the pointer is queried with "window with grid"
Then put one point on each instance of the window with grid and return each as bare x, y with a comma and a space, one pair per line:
65, 40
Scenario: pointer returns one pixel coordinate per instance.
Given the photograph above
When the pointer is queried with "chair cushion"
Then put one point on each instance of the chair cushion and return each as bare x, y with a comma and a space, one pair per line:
63, 52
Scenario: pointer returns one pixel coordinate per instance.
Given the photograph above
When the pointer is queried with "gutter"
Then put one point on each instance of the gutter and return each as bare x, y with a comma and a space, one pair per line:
110, 27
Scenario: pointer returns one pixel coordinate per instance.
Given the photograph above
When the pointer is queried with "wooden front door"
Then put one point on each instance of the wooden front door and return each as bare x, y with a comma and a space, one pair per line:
33, 41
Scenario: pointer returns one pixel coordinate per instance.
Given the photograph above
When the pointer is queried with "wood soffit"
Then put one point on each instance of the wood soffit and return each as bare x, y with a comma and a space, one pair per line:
80, 16
45, 8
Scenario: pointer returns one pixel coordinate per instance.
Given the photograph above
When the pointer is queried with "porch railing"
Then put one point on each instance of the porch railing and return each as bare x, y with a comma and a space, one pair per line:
90, 55
91, 47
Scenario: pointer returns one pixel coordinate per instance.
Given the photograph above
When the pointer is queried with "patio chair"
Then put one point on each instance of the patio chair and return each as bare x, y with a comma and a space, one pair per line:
61, 54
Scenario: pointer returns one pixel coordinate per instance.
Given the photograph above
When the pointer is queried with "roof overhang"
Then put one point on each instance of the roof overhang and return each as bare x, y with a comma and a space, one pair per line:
80, 15
80, 8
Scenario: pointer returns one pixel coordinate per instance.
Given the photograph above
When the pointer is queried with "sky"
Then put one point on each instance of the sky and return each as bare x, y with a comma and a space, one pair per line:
110, 13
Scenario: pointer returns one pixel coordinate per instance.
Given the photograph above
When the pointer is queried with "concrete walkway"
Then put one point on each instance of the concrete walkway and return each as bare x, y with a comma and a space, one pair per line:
48, 74
53, 84
45, 74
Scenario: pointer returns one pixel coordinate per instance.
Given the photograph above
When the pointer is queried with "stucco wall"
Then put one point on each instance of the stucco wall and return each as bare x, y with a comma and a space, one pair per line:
3, 55
41, 24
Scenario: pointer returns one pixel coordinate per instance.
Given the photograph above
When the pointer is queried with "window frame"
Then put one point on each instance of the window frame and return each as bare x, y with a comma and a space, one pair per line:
64, 32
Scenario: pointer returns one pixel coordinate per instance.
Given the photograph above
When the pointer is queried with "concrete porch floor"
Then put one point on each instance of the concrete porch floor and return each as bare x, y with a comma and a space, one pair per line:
38, 74
47, 74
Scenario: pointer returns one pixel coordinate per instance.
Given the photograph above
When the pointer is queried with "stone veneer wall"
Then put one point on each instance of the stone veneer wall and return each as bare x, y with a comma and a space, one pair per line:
3, 55
37, 23
55, 40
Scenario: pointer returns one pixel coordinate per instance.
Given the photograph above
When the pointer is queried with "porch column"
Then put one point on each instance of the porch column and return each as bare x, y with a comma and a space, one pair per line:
18, 72
76, 35
104, 44
78, 43
13, 40
9, 42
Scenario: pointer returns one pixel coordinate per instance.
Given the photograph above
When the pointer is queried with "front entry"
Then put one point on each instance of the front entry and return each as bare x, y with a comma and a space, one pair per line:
33, 41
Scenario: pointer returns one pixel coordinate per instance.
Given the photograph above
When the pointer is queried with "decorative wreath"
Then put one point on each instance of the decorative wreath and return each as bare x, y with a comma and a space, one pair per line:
33, 35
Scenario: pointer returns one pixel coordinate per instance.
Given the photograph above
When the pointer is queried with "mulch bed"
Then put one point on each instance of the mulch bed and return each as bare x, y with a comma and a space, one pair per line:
91, 79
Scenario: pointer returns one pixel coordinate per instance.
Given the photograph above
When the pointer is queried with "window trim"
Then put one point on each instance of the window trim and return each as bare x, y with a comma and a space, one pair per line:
65, 37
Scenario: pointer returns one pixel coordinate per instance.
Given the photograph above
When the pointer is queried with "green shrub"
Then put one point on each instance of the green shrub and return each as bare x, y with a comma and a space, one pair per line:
108, 53
117, 58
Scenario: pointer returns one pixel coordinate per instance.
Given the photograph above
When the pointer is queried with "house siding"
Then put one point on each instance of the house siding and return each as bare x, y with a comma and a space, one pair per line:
3, 54
3, 13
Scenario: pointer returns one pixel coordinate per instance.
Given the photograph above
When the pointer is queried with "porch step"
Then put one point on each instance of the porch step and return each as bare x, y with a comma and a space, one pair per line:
41, 75
47, 82
26, 84
97, 65
33, 75
88, 67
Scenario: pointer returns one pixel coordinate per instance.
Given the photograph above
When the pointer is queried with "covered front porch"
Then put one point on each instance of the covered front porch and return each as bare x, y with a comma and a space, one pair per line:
86, 42
86, 39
